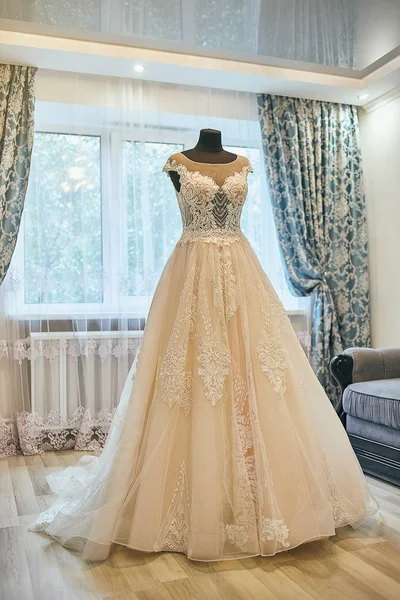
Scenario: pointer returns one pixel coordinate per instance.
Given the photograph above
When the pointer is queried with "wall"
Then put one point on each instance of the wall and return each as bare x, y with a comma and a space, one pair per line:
380, 144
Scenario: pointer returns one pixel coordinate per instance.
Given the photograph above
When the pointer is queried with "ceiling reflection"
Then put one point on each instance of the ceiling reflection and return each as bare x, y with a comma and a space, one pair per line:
350, 34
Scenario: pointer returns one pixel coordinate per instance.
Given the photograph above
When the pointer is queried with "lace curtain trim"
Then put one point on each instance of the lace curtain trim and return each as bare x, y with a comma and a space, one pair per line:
23, 349
28, 433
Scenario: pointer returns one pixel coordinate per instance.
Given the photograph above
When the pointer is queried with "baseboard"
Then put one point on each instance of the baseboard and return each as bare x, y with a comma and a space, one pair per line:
377, 460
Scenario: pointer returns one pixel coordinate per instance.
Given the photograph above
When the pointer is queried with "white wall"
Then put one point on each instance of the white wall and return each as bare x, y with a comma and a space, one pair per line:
380, 144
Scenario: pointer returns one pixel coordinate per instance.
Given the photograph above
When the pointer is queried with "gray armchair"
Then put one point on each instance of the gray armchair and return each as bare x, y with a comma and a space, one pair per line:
370, 407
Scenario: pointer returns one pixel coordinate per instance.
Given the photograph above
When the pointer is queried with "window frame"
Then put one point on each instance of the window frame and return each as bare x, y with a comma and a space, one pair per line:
61, 311
114, 235
152, 136
112, 232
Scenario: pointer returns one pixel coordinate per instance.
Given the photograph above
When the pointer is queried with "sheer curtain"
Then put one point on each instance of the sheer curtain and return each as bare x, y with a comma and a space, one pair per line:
99, 223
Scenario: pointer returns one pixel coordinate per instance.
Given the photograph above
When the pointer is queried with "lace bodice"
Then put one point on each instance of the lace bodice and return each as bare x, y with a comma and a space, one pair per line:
210, 198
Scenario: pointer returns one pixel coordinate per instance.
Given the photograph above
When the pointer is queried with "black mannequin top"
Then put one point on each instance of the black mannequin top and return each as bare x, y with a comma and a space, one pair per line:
208, 150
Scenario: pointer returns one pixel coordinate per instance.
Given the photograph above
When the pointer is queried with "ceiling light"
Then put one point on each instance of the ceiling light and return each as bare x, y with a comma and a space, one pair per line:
363, 96
138, 68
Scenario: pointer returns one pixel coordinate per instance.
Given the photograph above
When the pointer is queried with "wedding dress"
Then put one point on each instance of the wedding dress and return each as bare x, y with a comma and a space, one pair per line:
224, 444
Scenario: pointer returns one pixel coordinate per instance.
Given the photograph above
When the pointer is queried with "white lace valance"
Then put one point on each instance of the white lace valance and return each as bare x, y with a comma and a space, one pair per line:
31, 348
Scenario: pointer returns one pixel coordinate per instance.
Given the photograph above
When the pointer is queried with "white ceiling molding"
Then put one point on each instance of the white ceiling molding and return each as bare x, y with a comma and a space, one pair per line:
170, 46
284, 77
382, 100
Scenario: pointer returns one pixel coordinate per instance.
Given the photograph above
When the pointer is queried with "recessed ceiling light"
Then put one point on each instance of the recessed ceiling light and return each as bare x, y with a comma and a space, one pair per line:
138, 68
363, 96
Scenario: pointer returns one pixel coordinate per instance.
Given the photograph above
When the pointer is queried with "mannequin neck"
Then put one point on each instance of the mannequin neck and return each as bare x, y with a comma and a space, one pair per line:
209, 141
209, 149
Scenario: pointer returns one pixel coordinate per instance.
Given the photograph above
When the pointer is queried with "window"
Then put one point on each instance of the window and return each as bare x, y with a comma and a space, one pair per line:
101, 218
63, 221
252, 216
152, 215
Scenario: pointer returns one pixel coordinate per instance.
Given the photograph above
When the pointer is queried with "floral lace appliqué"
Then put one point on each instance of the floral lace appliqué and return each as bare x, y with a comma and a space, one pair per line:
274, 529
210, 212
343, 511
175, 383
214, 360
231, 303
175, 529
273, 360
237, 535
241, 514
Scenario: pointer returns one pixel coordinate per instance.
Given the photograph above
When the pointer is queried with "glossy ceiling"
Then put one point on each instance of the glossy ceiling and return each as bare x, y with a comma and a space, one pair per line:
350, 34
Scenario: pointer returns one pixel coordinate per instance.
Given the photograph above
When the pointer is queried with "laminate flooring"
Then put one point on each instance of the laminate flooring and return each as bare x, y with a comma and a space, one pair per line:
354, 565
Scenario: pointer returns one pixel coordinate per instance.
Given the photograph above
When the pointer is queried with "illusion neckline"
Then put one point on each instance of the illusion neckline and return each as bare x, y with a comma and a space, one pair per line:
196, 162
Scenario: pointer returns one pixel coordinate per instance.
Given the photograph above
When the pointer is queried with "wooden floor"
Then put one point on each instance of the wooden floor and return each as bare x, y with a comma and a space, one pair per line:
355, 564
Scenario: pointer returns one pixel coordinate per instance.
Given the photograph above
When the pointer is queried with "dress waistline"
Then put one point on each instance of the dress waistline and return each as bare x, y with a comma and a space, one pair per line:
221, 238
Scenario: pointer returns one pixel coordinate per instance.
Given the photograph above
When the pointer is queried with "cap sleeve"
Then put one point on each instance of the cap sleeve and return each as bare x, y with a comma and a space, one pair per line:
173, 165
249, 167
168, 166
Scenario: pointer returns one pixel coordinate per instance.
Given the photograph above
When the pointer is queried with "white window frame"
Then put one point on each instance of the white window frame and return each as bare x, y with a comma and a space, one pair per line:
139, 304
113, 232
61, 310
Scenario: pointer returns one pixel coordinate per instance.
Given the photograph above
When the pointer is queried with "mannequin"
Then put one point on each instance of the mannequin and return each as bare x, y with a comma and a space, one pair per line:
208, 150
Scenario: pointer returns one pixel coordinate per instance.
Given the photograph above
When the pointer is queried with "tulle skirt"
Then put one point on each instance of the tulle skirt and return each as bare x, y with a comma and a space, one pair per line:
224, 444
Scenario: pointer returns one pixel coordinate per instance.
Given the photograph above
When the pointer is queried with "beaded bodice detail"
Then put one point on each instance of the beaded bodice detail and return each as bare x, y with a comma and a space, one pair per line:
210, 198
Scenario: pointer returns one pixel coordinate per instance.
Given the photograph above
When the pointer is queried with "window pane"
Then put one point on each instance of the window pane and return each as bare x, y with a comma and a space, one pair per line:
251, 221
258, 226
62, 221
153, 219
254, 215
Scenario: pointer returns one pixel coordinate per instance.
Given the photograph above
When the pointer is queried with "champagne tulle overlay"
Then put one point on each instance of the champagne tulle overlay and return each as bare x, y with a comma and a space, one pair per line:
224, 444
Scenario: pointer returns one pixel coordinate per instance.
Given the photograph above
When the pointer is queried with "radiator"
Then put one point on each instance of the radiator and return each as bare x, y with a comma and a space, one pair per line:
58, 385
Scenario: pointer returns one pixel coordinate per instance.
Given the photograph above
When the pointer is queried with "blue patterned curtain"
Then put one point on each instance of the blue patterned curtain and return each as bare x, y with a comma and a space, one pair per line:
313, 161
17, 102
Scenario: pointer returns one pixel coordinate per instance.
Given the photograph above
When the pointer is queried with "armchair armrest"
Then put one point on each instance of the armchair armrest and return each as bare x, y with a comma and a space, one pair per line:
364, 364
342, 370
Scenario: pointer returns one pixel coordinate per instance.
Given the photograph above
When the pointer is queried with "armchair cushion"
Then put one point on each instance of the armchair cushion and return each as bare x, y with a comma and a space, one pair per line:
376, 401
373, 431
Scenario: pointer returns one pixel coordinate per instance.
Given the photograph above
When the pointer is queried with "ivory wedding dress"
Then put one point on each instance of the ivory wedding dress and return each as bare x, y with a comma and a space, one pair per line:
224, 444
